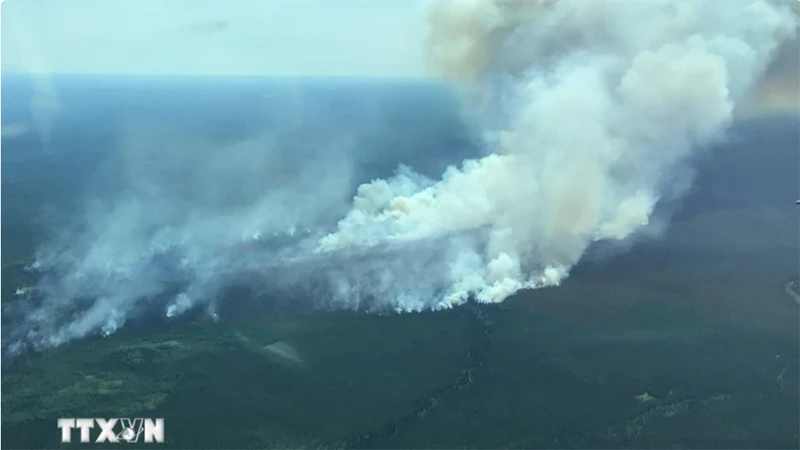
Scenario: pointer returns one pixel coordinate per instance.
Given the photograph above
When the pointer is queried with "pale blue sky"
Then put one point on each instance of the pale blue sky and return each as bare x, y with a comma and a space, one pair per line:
269, 37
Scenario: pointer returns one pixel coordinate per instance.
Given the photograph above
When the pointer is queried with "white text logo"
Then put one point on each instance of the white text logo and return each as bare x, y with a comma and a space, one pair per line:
113, 430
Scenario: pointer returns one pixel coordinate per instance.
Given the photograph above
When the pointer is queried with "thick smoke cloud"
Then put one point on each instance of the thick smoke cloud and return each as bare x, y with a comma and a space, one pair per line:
596, 107
591, 111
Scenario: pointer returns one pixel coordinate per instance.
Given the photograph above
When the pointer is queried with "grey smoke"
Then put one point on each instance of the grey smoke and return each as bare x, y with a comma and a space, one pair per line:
595, 106
591, 110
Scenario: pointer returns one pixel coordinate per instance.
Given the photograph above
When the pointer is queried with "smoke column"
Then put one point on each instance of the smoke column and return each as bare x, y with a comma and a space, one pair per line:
592, 111
594, 108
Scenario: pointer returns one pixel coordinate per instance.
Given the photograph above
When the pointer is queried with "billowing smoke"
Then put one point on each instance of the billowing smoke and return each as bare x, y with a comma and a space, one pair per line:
591, 111
595, 106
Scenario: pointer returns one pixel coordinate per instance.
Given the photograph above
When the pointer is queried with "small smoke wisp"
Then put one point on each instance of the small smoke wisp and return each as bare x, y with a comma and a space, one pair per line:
591, 110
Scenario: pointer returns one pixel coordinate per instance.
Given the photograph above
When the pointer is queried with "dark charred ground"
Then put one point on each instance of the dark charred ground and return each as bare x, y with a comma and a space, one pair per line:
688, 341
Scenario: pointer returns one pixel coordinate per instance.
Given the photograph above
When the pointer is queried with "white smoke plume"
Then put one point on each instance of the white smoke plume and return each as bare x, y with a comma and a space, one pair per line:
595, 106
591, 110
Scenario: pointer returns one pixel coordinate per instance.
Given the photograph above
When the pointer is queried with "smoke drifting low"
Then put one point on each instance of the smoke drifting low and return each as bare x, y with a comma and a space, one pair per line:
591, 110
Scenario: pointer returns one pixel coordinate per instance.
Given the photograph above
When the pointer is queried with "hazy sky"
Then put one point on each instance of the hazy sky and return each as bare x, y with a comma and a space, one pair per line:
275, 37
